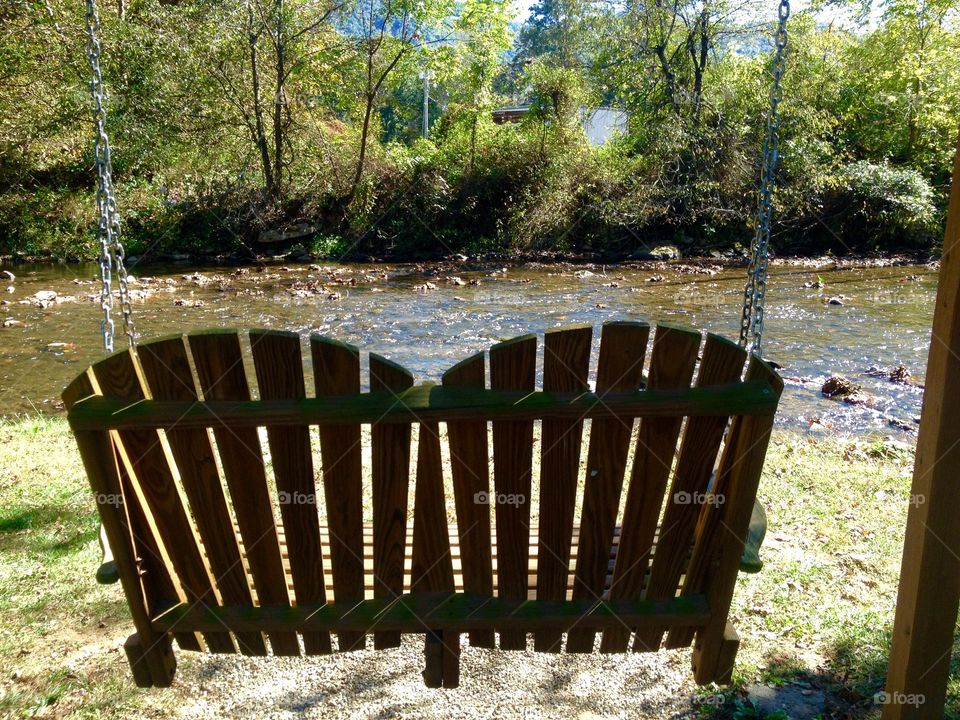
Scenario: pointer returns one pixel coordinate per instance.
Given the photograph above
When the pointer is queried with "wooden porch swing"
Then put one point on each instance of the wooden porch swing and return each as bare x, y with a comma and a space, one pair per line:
266, 552
200, 451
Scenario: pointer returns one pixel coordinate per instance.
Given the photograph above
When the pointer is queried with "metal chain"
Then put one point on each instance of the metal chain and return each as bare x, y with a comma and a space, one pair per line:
754, 293
108, 224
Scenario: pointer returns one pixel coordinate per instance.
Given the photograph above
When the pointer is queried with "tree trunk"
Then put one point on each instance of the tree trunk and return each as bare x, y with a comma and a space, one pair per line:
258, 110
365, 130
278, 101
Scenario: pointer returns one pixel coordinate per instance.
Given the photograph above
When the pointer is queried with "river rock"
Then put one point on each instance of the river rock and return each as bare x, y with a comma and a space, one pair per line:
837, 387
8, 275
10, 322
836, 300
660, 252
45, 295
11, 289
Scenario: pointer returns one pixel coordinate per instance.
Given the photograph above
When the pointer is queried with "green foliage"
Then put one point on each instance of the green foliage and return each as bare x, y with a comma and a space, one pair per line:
208, 154
891, 201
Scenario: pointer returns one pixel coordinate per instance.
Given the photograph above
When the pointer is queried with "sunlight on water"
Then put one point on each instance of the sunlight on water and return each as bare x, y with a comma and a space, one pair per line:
884, 319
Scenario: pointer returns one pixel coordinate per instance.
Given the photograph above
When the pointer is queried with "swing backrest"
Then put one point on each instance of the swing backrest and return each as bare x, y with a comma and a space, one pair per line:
238, 526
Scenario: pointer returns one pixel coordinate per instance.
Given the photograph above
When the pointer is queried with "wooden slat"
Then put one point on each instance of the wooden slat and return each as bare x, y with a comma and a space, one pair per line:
410, 613
153, 574
118, 376
469, 458
513, 366
426, 403
924, 626
279, 368
566, 362
431, 568
99, 461
219, 364
722, 363
432, 571
391, 483
672, 360
152, 560
620, 367
167, 372
723, 531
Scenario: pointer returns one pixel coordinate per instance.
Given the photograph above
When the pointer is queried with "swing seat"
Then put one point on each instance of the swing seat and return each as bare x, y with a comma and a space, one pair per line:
418, 508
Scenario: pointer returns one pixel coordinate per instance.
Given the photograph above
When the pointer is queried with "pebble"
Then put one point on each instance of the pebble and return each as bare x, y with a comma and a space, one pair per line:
387, 683
11, 289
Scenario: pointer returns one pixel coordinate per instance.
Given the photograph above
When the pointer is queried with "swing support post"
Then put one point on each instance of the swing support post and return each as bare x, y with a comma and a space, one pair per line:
927, 602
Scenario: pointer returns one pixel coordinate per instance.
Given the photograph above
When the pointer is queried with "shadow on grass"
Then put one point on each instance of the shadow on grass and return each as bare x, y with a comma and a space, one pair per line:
50, 528
852, 675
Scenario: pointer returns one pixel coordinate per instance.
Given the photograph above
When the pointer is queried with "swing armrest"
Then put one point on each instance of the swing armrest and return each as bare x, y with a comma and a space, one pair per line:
750, 561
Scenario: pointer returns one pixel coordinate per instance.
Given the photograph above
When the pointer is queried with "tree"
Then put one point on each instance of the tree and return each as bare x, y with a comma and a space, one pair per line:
279, 40
386, 34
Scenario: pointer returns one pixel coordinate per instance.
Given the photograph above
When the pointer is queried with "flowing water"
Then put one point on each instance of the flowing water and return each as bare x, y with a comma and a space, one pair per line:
884, 319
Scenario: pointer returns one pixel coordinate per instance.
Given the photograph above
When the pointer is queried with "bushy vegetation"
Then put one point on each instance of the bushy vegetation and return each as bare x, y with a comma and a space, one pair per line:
239, 117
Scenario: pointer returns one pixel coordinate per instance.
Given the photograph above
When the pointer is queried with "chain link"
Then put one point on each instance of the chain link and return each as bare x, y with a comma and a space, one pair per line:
754, 293
108, 223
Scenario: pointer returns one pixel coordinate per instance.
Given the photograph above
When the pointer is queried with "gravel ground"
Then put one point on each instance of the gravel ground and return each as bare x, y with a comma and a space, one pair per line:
387, 684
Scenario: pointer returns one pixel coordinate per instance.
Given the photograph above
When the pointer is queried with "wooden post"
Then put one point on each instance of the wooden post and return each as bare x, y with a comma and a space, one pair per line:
927, 602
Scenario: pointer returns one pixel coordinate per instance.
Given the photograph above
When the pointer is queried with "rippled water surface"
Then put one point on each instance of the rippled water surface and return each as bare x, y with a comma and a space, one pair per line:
884, 319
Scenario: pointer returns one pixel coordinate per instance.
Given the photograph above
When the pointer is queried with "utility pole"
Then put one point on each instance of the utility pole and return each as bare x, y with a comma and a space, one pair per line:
425, 76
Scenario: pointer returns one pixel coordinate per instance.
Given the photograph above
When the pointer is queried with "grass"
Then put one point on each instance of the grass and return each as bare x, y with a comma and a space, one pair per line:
61, 634
819, 614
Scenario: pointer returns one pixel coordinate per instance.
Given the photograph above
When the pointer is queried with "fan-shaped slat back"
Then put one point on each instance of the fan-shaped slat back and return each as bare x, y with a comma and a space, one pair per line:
469, 460
619, 369
219, 363
513, 366
719, 522
279, 369
672, 361
722, 363
391, 485
146, 578
118, 377
167, 372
